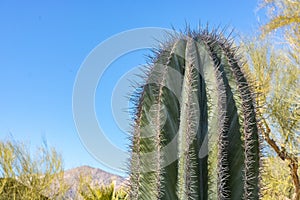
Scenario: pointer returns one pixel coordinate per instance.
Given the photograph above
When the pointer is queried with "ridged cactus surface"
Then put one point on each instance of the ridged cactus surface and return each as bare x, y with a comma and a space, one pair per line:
195, 133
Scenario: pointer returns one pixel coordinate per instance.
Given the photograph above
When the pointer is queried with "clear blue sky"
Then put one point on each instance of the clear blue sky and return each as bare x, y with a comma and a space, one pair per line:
43, 44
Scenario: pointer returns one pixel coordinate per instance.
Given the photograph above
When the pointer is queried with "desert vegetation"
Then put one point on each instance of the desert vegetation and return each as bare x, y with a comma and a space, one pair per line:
235, 107
99, 192
269, 78
30, 176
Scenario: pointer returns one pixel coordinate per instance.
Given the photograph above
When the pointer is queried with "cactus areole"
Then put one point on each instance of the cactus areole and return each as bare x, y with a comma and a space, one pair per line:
195, 134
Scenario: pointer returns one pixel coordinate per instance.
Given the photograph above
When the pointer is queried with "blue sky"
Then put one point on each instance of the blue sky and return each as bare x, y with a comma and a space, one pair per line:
43, 44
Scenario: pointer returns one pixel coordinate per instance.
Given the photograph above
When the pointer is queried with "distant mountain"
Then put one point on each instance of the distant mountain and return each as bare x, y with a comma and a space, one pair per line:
98, 177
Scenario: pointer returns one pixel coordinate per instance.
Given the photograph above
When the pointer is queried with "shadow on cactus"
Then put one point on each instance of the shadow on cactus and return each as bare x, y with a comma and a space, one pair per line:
195, 134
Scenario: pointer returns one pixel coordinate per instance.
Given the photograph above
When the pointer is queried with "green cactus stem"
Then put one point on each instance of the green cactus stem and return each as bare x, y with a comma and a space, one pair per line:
195, 101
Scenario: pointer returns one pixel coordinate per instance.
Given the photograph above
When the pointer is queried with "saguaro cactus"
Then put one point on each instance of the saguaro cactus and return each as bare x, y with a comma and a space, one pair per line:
195, 96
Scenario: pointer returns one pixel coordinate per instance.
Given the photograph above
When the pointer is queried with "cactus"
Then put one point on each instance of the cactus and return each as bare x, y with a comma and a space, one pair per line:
195, 134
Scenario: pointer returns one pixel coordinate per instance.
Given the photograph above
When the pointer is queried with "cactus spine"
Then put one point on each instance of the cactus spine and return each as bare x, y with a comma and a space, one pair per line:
195, 96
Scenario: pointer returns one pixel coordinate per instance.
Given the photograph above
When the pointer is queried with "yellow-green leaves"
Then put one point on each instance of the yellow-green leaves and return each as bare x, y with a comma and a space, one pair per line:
88, 191
24, 175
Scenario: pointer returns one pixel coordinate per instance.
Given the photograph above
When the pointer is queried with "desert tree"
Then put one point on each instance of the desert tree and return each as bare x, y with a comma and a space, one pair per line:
275, 80
30, 175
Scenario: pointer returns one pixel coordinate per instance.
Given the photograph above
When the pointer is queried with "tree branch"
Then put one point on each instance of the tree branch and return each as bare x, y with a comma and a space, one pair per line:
283, 154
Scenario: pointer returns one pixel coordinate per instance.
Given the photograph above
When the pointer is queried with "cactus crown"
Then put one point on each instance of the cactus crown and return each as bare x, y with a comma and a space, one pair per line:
195, 133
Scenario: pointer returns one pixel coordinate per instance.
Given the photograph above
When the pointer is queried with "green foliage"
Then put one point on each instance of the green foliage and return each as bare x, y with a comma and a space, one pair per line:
196, 95
100, 192
277, 86
13, 189
274, 69
276, 83
276, 178
27, 176
284, 16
